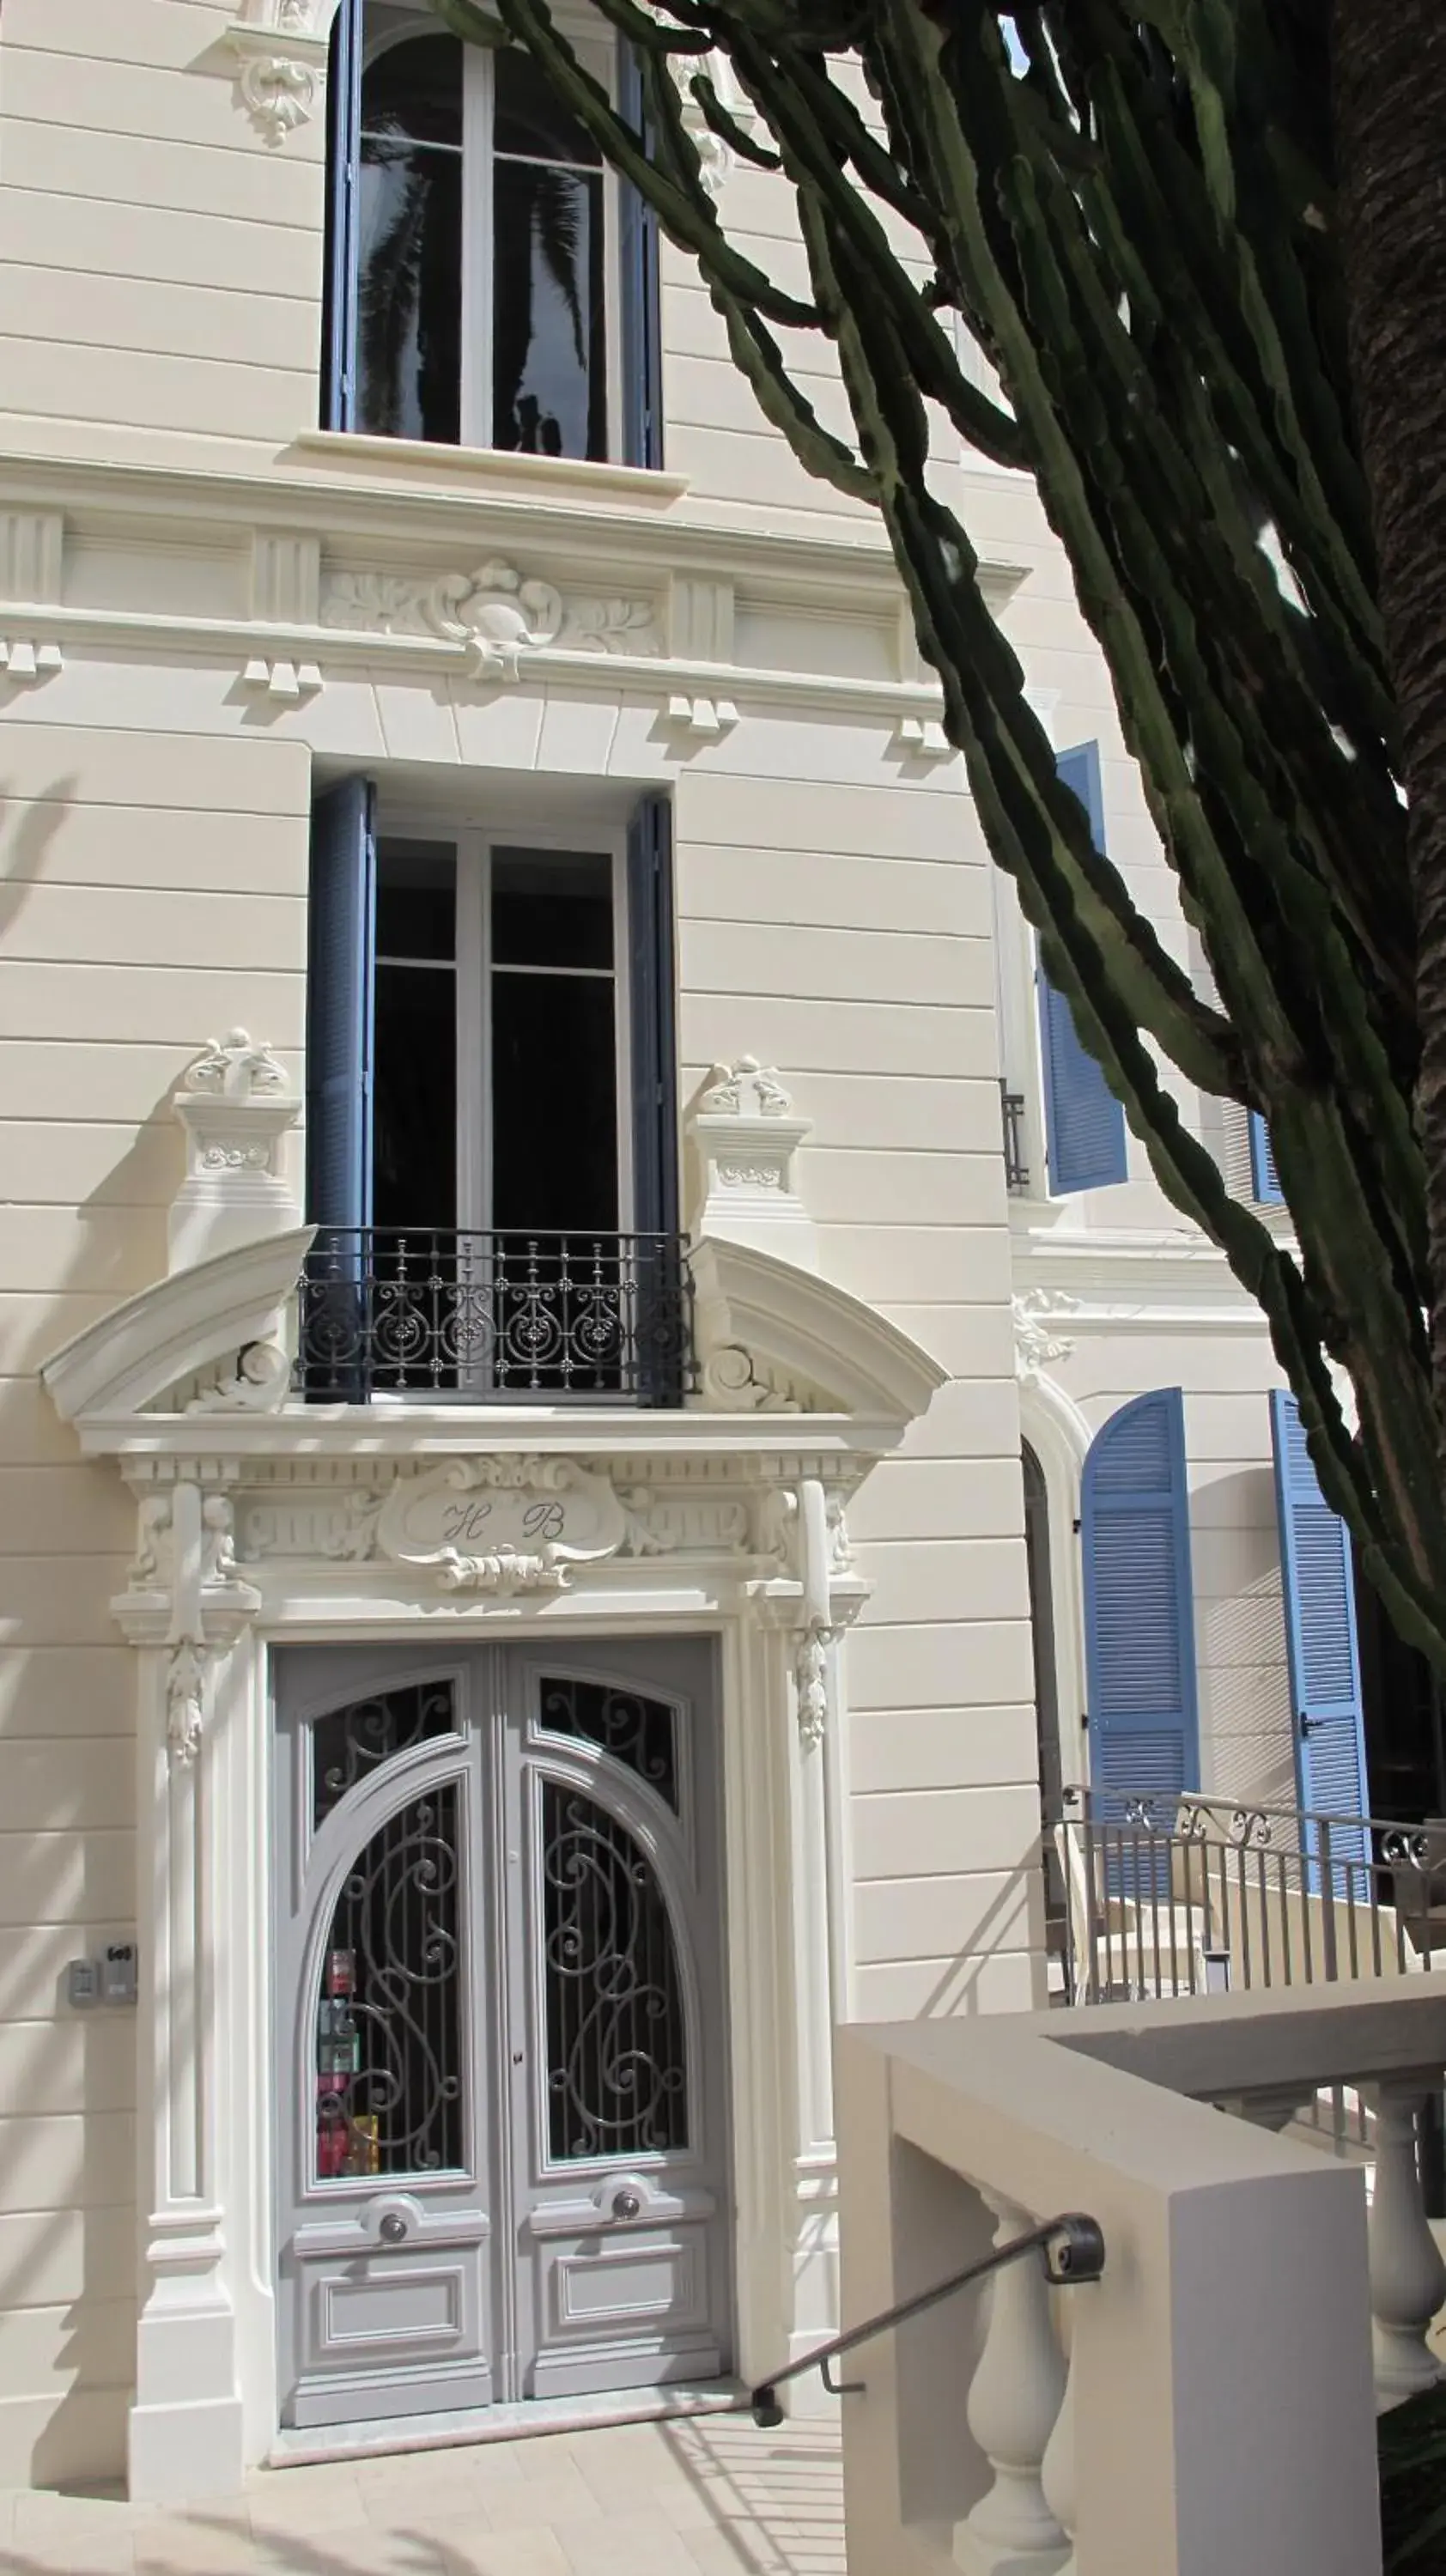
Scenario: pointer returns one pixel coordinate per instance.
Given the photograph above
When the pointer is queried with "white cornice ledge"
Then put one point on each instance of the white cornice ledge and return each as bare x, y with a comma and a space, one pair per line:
813, 1332
176, 1329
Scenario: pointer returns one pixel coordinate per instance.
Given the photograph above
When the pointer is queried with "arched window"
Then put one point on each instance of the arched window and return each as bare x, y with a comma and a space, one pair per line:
490, 284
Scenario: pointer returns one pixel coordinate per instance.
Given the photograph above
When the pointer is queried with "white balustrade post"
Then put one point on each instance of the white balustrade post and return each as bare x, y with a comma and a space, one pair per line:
1013, 2408
1408, 2277
1057, 2469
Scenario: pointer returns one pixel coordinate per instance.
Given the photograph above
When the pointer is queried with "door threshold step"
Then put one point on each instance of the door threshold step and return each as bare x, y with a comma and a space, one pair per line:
314, 2445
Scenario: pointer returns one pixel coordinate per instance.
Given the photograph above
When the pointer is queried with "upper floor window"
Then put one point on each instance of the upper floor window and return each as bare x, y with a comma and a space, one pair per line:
490, 283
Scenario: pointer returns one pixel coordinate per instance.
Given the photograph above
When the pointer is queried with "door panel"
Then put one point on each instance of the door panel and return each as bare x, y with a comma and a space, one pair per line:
500, 2026
387, 2301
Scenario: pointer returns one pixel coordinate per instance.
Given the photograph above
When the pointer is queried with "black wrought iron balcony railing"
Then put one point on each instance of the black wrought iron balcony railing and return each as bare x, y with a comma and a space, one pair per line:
1016, 1169
435, 1313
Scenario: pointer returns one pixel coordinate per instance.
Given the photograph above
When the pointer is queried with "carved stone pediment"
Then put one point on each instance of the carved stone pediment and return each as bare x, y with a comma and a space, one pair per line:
775, 1338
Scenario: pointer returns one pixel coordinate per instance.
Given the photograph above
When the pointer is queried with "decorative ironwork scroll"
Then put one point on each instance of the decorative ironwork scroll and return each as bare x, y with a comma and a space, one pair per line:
640, 1733
389, 2038
617, 2073
494, 1314
352, 1743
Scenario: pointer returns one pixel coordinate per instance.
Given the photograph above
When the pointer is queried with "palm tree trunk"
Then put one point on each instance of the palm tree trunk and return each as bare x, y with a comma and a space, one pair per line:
1389, 99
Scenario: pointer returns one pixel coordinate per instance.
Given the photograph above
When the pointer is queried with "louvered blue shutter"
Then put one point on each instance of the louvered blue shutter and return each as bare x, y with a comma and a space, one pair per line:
654, 1070
340, 990
660, 1317
1139, 1605
1317, 1580
1264, 1179
343, 174
1084, 1125
641, 319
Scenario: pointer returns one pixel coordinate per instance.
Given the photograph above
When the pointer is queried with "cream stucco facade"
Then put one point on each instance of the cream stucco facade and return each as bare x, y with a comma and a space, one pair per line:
210, 609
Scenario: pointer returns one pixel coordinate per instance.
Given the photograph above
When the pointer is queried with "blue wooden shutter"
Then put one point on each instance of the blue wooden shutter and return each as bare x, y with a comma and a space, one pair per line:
1264, 1179
343, 173
654, 1067
640, 319
1084, 1125
340, 997
1318, 1583
1139, 1604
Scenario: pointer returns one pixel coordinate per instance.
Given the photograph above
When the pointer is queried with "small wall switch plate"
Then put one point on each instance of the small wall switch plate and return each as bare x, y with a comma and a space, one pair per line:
82, 1983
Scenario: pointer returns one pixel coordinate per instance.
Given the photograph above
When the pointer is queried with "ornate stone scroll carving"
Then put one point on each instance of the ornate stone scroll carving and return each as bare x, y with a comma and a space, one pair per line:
744, 1133
498, 1525
1036, 1346
184, 1592
280, 57
235, 1107
254, 1379
495, 616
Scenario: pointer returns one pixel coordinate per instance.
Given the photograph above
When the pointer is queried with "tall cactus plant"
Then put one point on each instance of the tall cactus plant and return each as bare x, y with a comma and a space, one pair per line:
1130, 206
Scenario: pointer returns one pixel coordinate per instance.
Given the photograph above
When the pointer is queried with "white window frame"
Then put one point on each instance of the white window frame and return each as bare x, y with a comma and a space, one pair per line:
478, 93
473, 845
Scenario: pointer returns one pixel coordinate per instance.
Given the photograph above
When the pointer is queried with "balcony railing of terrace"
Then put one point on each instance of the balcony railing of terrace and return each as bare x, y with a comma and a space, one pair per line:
1209, 2402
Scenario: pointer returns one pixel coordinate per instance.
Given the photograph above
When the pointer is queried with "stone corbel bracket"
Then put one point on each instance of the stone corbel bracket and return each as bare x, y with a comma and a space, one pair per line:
745, 1133
27, 659
32, 546
816, 1597
278, 56
285, 683
699, 719
184, 1594
236, 1107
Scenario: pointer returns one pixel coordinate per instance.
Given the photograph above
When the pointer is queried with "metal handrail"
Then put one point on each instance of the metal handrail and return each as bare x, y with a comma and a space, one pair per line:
1074, 2252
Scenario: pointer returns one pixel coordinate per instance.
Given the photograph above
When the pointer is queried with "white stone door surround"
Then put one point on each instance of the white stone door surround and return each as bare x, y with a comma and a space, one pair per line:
262, 1521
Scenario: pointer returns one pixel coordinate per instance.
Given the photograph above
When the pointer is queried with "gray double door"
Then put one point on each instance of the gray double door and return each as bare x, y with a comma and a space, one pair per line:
503, 2158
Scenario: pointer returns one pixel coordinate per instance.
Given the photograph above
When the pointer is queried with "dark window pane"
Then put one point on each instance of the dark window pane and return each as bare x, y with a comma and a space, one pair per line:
415, 90
554, 1104
416, 902
549, 367
531, 119
553, 910
415, 1168
409, 342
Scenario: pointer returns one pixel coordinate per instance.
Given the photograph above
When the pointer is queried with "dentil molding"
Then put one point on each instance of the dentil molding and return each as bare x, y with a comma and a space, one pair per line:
495, 616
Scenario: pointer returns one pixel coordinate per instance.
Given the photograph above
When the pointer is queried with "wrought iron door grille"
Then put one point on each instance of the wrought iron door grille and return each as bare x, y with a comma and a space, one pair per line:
635, 1731
617, 2072
389, 2012
488, 1316
352, 1743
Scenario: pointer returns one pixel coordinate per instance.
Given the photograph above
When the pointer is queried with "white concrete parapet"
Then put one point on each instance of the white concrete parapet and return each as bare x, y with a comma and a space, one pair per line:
1219, 2408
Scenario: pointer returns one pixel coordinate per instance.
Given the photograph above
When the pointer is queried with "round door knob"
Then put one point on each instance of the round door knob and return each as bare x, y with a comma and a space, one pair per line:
393, 2228
626, 2204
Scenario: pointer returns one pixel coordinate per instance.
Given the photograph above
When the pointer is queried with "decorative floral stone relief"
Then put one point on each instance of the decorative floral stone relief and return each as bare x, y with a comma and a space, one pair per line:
493, 615
1036, 1346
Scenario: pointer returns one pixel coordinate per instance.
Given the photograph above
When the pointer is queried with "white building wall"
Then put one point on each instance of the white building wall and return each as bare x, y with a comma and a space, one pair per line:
160, 270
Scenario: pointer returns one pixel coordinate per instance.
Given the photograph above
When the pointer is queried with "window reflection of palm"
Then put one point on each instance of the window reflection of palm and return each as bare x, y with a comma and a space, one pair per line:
538, 434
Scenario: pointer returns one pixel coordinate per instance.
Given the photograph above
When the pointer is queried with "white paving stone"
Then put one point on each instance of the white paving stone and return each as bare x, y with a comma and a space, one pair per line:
692, 2497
